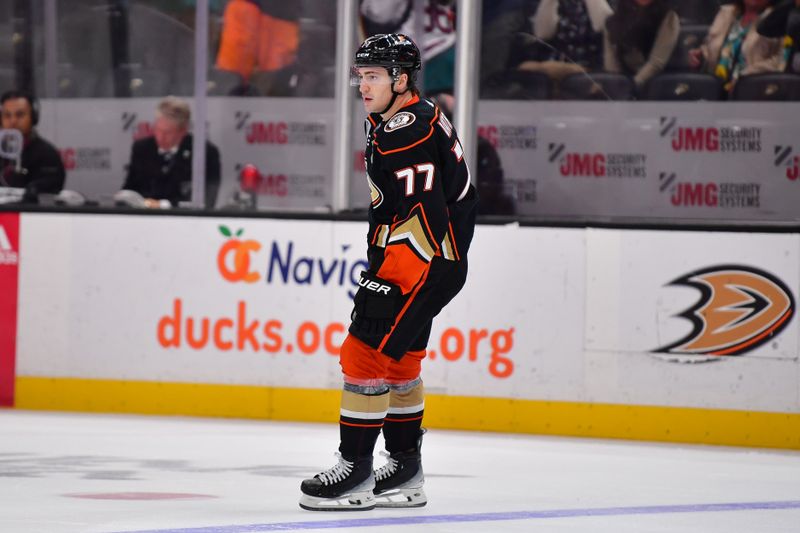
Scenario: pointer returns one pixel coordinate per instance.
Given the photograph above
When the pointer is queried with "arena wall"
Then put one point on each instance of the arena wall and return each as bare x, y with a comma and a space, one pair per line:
679, 336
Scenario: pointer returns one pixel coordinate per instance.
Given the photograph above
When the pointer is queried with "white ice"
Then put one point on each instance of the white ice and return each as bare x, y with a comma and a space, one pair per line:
249, 473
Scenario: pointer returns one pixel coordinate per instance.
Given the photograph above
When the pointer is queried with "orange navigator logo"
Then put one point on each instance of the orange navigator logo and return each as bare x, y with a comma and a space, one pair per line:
233, 258
740, 309
302, 262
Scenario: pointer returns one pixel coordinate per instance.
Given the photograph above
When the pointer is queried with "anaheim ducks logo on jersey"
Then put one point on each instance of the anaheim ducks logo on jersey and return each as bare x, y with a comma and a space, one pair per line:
400, 120
740, 309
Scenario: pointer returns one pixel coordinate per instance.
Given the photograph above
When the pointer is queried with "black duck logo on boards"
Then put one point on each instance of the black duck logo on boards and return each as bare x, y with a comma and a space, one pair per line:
400, 120
740, 309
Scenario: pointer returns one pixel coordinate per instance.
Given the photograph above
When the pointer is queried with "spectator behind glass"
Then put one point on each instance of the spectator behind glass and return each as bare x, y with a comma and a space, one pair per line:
259, 35
41, 169
572, 31
503, 22
493, 198
640, 38
734, 48
783, 22
437, 42
161, 165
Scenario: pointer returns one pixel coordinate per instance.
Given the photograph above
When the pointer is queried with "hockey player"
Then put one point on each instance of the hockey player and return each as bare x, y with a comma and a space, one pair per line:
421, 221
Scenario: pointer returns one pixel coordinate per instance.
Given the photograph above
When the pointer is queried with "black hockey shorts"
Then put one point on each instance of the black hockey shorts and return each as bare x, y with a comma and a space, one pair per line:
412, 328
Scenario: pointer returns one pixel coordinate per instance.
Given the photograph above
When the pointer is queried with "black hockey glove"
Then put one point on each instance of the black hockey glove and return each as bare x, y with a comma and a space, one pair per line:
375, 304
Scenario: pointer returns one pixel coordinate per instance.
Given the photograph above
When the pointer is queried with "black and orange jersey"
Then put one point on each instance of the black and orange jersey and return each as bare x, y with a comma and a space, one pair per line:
422, 200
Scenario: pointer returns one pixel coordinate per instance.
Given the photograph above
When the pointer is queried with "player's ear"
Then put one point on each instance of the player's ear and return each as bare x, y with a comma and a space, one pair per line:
402, 82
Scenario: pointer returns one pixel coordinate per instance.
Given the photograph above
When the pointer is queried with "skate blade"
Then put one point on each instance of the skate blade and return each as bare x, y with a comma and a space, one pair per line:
357, 501
392, 499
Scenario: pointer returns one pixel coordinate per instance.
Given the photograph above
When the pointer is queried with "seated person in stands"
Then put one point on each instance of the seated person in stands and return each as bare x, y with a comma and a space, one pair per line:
640, 38
734, 48
784, 23
494, 198
260, 36
161, 165
41, 169
572, 31
437, 39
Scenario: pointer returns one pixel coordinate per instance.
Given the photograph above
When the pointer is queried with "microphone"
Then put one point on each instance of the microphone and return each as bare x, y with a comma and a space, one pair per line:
11, 143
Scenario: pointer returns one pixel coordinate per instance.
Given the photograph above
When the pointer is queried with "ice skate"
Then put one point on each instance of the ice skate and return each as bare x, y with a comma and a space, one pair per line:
347, 486
399, 482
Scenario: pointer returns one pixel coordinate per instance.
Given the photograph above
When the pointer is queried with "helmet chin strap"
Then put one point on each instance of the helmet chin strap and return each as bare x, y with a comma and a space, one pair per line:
395, 94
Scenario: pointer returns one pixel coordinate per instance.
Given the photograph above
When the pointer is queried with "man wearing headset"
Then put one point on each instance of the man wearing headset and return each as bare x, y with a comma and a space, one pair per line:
40, 169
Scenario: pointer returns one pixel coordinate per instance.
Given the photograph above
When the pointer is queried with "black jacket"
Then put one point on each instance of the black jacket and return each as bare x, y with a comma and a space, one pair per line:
170, 178
41, 168
782, 21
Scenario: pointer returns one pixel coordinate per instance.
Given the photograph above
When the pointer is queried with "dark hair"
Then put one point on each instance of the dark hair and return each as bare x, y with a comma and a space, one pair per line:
412, 79
13, 94
635, 27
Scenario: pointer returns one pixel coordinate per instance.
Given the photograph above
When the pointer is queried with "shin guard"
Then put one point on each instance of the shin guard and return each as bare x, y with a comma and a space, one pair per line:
403, 421
360, 422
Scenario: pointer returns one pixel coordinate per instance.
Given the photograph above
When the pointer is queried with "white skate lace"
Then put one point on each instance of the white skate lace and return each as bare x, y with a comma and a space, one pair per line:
386, 470
337, 472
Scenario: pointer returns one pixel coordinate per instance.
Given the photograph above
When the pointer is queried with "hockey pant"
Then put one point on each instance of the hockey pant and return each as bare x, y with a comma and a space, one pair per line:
382, 385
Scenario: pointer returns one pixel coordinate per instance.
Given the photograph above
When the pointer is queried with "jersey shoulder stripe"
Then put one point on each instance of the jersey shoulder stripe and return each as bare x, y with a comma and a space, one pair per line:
409, 127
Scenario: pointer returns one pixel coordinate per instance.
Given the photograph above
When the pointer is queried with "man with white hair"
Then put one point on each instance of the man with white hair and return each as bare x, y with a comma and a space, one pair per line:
160, 167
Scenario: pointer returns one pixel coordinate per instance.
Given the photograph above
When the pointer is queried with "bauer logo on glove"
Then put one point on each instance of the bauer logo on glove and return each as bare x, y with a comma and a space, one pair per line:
375, 286
374, 305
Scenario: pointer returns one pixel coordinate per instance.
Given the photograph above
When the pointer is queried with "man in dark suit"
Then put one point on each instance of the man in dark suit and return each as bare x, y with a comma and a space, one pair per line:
40, 168
160, 168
